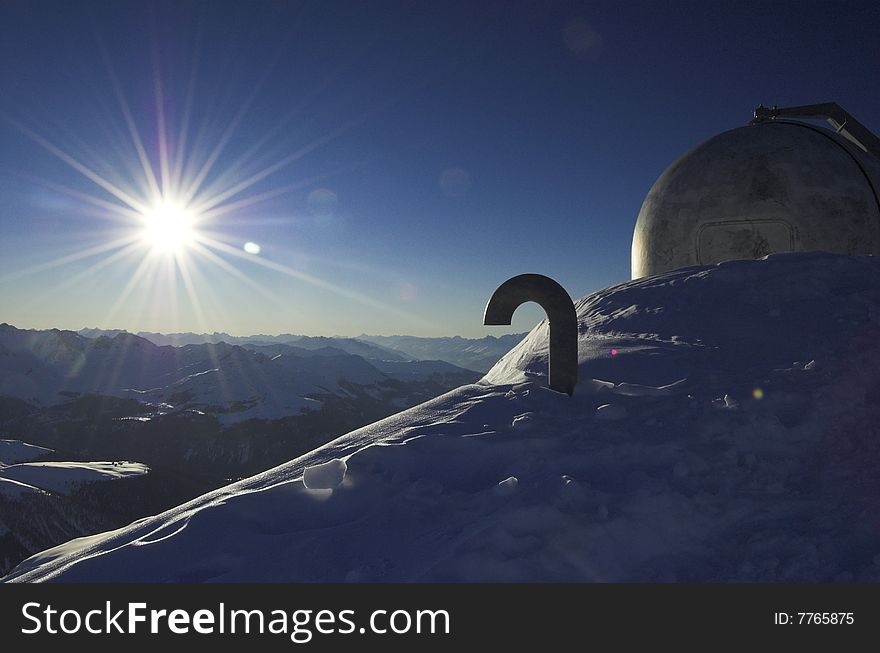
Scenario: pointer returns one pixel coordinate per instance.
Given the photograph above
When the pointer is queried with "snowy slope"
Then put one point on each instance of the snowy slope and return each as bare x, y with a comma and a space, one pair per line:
10, 488
418, 370
471, 353
16, 451
18, 475
246, 385
11, 453
65, 476
725, 428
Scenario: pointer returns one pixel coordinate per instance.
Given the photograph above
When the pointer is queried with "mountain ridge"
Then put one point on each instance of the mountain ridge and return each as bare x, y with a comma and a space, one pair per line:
234, 382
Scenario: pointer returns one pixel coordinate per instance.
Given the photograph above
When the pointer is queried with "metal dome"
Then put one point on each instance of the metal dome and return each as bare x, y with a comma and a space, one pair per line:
776, 186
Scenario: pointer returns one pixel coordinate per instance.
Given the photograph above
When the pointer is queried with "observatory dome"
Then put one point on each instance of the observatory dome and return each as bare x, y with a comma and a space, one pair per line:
778, 186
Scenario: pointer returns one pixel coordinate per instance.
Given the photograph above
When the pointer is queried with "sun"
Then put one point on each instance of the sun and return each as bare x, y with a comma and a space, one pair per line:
168, 228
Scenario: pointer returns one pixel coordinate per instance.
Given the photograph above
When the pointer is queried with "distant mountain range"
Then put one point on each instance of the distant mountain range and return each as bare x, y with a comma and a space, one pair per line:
472, 353
231, 382
478, 354
308, 343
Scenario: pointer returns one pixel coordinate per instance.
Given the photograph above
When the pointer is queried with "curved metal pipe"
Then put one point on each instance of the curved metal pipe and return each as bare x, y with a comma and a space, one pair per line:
563, 360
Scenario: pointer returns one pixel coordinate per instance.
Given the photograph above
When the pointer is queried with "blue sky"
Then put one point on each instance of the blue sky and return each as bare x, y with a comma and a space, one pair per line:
401, 160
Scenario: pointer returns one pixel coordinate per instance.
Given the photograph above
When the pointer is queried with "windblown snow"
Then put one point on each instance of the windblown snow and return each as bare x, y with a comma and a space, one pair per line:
724, 428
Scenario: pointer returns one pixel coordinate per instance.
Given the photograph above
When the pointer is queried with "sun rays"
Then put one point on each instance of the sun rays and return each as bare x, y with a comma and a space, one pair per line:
168, 193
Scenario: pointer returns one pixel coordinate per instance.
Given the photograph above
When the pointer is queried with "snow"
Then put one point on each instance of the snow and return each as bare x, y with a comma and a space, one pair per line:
470, 354
727, 403
507, 486
231, 382
701, 477
325, 476
64, 476
10, 488
522, 422
16, 451
19, 476
270, 388
610, 412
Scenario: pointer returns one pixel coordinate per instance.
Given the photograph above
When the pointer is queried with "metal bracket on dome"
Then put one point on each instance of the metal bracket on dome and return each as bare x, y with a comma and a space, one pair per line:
563, 360
844, 123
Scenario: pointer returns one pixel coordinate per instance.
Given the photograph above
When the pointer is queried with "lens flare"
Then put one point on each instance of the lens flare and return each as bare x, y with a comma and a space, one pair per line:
758, 393
322, 203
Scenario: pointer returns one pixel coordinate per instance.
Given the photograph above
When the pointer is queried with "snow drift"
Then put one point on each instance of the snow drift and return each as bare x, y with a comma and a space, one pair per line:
724, 429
